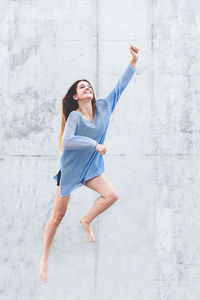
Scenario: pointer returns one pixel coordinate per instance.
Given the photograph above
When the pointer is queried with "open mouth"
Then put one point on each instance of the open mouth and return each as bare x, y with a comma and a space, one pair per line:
87, 92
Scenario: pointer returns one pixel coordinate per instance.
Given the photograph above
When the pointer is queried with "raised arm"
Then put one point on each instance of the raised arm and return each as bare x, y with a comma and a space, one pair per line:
113, 97
70, 141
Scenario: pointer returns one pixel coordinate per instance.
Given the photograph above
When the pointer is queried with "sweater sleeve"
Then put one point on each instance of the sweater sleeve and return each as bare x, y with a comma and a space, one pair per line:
70, 141
113, 97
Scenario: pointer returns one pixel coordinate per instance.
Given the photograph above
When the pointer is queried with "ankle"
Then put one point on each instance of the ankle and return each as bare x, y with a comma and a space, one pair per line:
84, 219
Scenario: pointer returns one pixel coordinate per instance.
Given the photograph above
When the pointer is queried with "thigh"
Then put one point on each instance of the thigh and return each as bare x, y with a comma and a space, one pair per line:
61, 203
102, 185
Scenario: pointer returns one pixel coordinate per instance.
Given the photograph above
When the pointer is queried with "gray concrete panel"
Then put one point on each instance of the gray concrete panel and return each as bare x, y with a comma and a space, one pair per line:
147, 243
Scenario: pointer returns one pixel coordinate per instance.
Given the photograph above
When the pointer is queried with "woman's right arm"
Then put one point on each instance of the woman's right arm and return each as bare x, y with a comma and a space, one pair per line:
75, 142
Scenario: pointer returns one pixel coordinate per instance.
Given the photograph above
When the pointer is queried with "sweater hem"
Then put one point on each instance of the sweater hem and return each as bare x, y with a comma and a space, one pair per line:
99, 172
64, 194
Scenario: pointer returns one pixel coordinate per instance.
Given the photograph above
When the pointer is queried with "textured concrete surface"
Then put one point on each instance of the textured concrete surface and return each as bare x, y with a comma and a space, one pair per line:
147, 244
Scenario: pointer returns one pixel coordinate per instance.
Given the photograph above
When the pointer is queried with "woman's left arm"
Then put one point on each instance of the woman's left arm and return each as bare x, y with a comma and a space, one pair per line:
113, 97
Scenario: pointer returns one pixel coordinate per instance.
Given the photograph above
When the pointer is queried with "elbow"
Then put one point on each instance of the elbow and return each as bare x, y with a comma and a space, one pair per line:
65, 144
65, 147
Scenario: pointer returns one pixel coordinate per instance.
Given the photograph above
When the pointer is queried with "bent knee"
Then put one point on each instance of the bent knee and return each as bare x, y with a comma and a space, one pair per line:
114, 196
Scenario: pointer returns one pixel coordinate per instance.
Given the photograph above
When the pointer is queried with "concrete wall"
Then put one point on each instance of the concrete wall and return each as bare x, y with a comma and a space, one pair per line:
147, 244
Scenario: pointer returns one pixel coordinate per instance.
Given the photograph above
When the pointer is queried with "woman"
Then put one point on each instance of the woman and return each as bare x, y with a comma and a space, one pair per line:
83, 130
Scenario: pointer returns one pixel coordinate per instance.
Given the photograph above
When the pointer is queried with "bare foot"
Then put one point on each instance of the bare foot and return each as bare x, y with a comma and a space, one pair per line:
88, 230
44, 269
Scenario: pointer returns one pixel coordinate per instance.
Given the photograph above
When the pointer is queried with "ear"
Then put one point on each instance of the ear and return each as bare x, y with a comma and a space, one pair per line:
75, 97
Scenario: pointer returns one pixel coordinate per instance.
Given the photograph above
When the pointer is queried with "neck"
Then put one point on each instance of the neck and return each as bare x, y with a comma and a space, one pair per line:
85, 107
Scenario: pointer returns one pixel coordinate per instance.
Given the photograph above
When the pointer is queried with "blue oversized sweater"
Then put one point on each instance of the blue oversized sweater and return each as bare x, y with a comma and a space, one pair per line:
80, 161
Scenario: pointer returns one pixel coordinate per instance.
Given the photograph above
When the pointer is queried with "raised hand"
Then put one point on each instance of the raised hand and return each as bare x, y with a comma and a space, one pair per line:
133, 50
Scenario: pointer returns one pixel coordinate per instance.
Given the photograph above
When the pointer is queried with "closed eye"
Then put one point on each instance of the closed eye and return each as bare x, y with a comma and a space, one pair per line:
84, 86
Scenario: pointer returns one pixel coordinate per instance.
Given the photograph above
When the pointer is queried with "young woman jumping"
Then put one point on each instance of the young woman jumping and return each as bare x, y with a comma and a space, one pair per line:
83, 130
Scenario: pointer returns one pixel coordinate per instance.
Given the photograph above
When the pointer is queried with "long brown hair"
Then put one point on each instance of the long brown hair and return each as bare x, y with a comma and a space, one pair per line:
69, 104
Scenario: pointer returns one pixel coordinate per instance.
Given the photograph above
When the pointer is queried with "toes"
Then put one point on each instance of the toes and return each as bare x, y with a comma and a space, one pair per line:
43, 276
92, 236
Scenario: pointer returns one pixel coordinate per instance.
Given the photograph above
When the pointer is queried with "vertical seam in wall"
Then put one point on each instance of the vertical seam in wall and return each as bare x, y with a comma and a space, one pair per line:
97, 96
152, 99
97, 49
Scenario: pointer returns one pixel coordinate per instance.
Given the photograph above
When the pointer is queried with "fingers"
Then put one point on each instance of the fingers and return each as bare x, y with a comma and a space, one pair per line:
102, 149
134, 52
133, 48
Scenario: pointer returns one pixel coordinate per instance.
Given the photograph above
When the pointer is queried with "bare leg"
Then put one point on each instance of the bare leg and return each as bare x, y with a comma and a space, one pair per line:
60, 206
109, 195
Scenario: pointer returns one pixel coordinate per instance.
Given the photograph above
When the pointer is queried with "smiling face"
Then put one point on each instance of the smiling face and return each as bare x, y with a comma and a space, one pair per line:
83, 91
